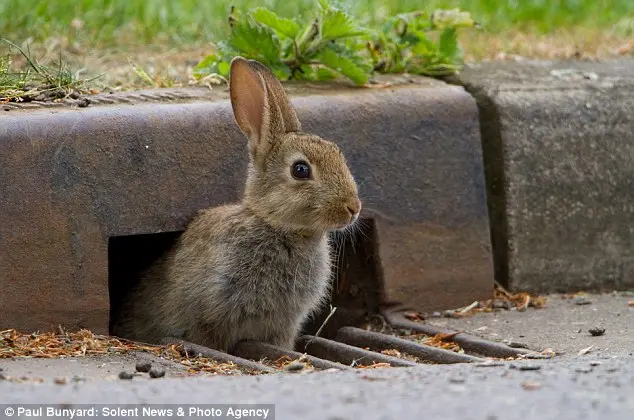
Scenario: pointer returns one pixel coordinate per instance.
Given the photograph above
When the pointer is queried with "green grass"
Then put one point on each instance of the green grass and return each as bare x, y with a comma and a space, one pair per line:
163, 37
35, 81
111, 23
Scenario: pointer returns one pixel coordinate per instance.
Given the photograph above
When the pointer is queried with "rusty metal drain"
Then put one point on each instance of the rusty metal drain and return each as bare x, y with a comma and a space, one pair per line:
218, 356
354, 347
257, 350
381, 342
350, 355
334, 339
469, 343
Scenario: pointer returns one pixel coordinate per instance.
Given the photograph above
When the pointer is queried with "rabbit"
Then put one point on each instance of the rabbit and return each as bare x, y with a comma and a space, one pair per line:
260, 268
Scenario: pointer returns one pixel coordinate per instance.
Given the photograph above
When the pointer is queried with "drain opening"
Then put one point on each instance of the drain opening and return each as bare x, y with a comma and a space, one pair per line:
355, 291
128, 257
357, 294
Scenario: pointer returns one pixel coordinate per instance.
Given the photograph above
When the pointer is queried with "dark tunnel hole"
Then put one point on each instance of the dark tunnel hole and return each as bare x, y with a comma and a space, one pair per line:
128, 257
357, 287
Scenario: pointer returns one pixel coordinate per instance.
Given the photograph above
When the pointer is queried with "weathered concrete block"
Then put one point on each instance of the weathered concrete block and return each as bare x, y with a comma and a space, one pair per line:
74, 179
559, 152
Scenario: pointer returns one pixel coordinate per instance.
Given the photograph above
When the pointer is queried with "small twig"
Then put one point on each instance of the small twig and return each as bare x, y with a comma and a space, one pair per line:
468, 308
502, 289
332, 312
355, 362
447, 337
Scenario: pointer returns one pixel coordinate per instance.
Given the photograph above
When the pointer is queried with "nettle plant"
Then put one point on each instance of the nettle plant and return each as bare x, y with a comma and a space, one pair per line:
334, 44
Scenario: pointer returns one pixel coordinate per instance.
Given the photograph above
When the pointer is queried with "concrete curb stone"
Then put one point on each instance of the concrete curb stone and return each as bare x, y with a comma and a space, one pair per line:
559, 152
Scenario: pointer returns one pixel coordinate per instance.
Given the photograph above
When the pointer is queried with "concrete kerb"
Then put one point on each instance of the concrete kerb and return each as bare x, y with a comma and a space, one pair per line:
559, 161
78, 181
555, 142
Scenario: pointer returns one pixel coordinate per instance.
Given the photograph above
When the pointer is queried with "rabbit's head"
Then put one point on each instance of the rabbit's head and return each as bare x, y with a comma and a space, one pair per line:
296, 181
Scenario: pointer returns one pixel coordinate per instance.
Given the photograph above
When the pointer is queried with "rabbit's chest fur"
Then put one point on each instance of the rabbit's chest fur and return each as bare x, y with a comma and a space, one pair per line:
245, 280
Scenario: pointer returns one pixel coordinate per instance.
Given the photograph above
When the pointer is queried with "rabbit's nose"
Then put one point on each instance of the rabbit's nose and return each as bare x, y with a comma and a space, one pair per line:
354, 208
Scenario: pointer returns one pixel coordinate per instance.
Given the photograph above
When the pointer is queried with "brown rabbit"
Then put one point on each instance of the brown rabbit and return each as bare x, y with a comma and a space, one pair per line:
257, 269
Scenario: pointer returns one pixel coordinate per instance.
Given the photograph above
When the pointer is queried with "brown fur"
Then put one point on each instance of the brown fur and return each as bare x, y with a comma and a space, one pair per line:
257, 269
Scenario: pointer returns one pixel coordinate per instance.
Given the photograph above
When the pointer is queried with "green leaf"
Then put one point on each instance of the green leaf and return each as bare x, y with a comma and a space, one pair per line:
350, 52
282, 26
343, 65
305, 72
281, 71
424, 46
206, 62
448, 44
255, 41
335, 23
223, 68
207, 66
324, 74
217, 62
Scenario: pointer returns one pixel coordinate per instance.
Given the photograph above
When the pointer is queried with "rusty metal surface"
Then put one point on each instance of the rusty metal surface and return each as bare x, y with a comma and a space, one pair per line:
344, 353
218, 356
379, 342
468, 342
256, 350
118, 98
211, 93
74, 178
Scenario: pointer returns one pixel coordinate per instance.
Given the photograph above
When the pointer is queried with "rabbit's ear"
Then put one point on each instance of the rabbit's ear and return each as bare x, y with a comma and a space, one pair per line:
260, 105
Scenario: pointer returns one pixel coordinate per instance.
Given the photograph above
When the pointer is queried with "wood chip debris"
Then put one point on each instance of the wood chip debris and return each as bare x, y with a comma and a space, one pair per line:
531, 385
289, 364
502, 300
581, 297
585, 351
14, 344
414, 316
440, 340
400, 355
373, 366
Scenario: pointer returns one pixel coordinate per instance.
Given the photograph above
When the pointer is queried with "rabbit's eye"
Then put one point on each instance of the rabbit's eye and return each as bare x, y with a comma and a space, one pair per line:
300, 170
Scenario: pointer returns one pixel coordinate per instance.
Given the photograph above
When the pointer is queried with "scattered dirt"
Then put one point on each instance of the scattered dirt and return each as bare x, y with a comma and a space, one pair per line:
373, 366
502, 300
441, 340
63, 344
596, 331
286, 363
561, 325
531, 385
401, 355
86, 345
